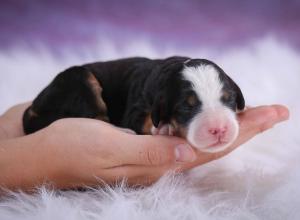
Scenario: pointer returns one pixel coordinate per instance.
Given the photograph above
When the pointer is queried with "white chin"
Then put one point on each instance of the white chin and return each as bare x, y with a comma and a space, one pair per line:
197, 137
207, 146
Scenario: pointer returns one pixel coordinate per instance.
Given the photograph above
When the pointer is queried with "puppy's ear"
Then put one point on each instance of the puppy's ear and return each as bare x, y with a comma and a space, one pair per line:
240, 101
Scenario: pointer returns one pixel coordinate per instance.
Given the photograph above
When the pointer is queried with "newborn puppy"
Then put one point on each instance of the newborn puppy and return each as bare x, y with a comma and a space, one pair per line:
190, 98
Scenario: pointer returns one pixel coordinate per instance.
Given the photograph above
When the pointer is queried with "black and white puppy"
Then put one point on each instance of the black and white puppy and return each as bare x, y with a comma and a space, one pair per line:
190, 98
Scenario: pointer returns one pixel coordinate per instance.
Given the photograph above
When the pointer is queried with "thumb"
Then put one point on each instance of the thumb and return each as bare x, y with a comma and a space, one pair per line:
155, 150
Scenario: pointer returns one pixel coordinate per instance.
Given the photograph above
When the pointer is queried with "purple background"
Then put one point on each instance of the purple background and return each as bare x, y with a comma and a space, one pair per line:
60, 24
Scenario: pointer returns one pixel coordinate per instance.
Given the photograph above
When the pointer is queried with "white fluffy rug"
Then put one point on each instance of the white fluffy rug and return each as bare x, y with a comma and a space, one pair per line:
261, 180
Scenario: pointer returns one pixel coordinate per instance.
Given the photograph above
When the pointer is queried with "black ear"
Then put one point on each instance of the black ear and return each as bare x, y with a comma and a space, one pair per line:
240, 101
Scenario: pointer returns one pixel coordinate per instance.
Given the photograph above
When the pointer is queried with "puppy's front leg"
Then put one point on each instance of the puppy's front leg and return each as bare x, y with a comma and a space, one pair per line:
163, 129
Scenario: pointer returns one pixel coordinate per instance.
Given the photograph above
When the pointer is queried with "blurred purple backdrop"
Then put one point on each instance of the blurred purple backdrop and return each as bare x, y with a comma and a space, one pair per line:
78, 23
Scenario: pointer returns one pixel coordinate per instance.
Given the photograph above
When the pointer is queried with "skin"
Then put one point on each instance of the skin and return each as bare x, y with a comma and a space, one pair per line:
72, 153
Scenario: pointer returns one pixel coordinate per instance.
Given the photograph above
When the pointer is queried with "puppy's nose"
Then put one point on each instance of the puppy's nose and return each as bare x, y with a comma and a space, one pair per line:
218, 132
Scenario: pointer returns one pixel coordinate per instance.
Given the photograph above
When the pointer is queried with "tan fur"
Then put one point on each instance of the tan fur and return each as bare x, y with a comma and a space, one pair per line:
97, 91
225, 95
179, 130
147, 125
32, 113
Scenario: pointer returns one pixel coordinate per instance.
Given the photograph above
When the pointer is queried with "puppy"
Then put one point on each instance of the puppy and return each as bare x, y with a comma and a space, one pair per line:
189, 98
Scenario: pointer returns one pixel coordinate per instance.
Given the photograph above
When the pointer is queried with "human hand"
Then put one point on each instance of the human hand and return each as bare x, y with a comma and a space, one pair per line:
85, 152
72, 152
111, 155
75, 152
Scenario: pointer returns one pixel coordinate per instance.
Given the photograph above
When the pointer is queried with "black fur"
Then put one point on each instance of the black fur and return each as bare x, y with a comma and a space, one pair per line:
133, 89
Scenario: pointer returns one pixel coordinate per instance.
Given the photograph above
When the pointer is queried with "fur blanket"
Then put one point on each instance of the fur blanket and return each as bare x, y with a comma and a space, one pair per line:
260, 180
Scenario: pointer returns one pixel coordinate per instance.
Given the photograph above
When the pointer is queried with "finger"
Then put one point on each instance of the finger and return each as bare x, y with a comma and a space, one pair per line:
262, 118
154, 150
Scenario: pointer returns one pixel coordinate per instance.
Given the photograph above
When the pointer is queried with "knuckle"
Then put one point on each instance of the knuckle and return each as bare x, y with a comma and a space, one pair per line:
153, 157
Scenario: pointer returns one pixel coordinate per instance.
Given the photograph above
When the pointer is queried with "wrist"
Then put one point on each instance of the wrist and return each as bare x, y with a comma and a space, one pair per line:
22, 163
11, 124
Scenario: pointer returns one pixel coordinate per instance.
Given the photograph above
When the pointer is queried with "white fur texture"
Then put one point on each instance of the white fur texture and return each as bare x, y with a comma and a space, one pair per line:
260, 180
206, 83
214, 115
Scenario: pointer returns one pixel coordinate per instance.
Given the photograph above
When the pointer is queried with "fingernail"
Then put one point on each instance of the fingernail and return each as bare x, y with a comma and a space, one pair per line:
184, 153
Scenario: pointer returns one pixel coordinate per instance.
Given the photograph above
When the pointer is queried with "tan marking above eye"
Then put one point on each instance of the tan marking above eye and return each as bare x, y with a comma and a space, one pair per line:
192, 100
225, 95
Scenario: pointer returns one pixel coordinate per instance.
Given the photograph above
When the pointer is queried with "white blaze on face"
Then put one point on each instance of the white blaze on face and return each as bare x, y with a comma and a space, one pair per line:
215, 127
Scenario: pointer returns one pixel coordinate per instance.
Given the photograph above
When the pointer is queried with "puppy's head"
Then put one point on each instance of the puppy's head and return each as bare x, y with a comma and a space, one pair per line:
199, 102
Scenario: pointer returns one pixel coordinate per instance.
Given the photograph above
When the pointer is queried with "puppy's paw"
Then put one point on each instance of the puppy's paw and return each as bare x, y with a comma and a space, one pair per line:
164, 129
